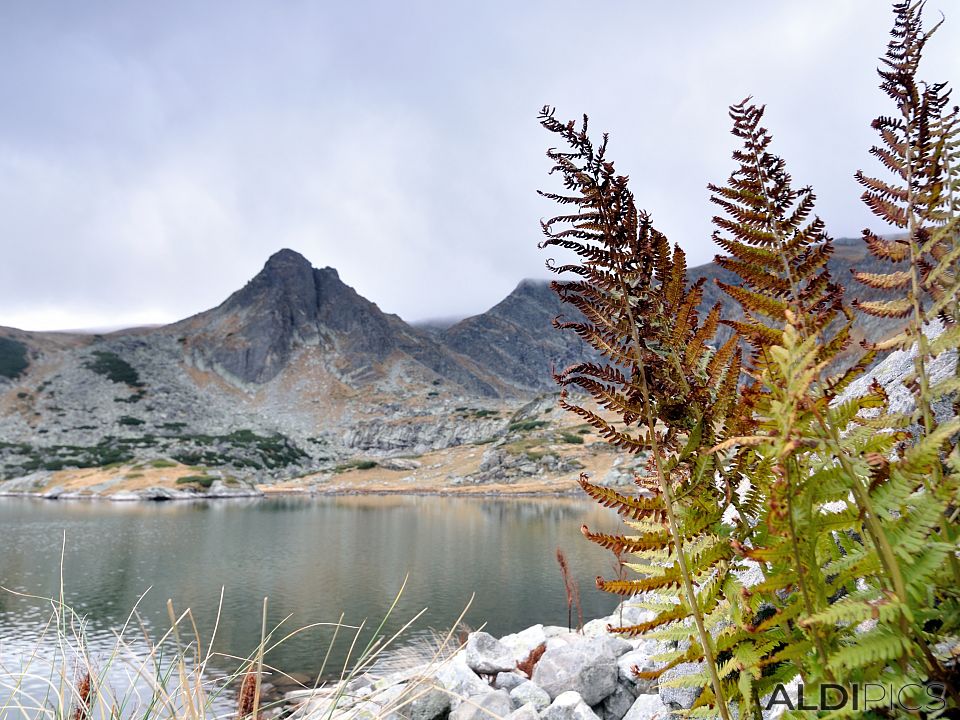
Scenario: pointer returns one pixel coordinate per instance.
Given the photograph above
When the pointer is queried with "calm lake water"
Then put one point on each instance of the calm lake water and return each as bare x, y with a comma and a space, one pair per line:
313, 558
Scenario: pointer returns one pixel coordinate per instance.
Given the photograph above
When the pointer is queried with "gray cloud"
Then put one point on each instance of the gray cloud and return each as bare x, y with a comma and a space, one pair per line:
152, 155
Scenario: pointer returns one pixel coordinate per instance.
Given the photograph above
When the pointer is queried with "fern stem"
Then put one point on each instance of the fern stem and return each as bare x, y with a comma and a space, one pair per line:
923, 345
801, 574
706, 642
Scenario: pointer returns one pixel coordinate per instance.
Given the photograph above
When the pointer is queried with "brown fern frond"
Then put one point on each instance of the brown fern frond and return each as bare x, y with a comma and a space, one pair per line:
631, 443
527, 665
670, 578
755, 302
891, 250
633, 508
675, 614
883, 281
622, 544
900, 308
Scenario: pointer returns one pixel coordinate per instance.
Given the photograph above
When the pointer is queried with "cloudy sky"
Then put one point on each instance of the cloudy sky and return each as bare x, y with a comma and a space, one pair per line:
154, 154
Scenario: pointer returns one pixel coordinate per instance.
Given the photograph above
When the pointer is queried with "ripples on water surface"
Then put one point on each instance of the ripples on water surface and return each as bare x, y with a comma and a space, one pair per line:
313, 558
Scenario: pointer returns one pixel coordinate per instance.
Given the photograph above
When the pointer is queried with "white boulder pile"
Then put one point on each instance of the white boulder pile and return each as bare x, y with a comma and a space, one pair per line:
579, 676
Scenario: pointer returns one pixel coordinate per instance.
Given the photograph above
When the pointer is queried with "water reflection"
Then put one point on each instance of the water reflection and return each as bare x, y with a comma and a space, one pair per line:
313, 558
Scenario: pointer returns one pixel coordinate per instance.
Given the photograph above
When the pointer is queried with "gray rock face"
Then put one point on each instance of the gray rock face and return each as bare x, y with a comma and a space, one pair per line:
894, 370
616, 704
517, 337
521, 644
460, 680
508, 680
252, 336
569, 706
486, 655
588, 667
428, 705
528, 692
625, 665
524, 712
648, 707
491, 706
415, 435
681, 698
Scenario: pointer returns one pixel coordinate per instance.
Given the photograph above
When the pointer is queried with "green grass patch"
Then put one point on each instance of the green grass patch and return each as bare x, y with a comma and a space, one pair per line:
203, 481
355, 465
526, 425
13, 358
571, 438
134, 398
521, 447
131, 421
162, 463
114, 368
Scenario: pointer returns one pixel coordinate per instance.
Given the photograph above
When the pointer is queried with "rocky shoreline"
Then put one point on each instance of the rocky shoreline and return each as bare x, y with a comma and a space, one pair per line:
540, 673
164, 494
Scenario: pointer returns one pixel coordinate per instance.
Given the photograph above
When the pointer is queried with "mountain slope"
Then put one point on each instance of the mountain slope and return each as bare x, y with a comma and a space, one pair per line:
516, 338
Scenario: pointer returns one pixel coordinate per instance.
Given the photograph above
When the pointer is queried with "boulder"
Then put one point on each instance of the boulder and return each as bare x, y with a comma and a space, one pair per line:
648, 707
614, 645
460, 680
524, 712
508, 680
399, 464
616, 704
588, 667
522, 643
529, 693
632, 613
569, 706
427, 704
487, 655
681, 697
490, 706
625, 665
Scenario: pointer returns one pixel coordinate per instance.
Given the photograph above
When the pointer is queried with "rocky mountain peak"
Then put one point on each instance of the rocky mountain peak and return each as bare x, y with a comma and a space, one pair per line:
286, 257
252, 336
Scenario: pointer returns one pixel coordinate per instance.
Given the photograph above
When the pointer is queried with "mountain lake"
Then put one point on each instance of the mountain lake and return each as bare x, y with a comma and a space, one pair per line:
313, 558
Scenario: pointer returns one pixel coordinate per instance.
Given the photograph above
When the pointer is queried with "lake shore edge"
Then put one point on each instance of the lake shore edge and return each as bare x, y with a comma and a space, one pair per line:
163, 494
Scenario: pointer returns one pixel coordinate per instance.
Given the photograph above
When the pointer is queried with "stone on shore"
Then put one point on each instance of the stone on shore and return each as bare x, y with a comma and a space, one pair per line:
648, 707
493, 705
524, 712
427, 704
460, 680
625, 674
616, 704
509, 680
588, 667
680, 697
521, 644
529, 693
487, 655
569, 705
